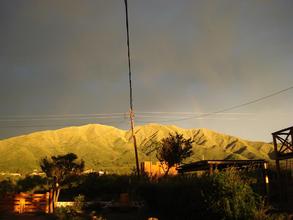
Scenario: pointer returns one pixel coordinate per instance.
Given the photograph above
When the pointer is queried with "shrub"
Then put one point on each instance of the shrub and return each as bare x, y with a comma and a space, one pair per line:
74, 212
79, 203
6, 187
177, 197
32, 184
223, 195
228, 196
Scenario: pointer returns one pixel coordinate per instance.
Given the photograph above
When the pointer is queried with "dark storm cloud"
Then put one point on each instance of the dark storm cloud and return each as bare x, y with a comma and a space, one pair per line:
58, 49
226, 46
70, 56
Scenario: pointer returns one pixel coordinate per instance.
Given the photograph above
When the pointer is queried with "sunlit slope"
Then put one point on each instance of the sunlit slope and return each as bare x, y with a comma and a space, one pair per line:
109, 148
209, 144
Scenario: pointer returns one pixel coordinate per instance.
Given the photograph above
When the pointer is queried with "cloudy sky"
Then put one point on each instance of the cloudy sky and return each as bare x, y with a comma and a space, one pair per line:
64, 63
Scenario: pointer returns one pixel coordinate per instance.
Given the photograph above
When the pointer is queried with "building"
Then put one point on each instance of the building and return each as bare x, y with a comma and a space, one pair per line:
156, 169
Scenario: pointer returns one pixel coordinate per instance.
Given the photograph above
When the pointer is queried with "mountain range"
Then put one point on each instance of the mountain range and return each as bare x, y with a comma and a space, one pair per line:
108, 148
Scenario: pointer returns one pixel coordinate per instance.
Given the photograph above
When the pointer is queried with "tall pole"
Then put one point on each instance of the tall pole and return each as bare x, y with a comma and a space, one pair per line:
131, 112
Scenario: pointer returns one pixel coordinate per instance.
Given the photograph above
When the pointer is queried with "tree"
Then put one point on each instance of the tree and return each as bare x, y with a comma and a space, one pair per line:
173, 150
59, 168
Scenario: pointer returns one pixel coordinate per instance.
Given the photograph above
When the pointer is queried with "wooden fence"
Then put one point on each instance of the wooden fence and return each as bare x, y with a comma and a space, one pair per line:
27, 203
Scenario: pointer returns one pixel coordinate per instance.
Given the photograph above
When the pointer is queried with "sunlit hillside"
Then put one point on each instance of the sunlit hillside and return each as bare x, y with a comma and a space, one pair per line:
108, 148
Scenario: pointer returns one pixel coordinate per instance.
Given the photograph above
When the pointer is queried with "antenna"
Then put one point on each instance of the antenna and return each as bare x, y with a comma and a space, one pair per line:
131, 112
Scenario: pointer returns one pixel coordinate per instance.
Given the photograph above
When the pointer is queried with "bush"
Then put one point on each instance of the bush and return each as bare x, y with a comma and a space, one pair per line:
176, 197
79, 204
32, 184
74, 212
108, 186
6, 187
223, 195
65, 213
228, 196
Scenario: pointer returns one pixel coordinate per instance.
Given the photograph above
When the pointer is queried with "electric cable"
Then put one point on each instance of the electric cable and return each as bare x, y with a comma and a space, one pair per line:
230, 108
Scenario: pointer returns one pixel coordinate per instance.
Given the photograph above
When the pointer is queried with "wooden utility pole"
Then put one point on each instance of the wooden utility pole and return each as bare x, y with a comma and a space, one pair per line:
131, 112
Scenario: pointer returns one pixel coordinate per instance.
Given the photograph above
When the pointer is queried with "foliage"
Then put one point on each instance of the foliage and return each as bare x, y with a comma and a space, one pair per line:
7, 187
173, 150
32, 184
107, 186
174, 197
79, 203
262, 212
65, 213
183, 196
59, 168
223, 195
228, 196
74, 212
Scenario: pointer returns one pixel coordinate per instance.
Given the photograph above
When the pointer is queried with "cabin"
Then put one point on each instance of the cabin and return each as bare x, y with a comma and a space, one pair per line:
156, 169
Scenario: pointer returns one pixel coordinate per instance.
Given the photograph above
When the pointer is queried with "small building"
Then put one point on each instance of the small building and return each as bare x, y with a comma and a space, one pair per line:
156, 169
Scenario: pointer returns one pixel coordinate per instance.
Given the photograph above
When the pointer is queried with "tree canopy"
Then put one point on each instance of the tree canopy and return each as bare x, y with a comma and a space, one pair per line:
59, 168
173, 150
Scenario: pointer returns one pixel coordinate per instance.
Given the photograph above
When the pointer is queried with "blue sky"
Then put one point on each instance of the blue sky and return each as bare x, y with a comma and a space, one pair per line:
63, 61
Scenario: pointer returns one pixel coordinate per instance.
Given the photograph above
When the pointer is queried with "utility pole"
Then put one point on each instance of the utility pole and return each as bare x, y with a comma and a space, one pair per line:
131, 112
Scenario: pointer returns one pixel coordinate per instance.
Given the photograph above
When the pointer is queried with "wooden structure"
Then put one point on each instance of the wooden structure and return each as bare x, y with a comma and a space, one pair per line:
283, 145
212, 165
283, 149
27, 203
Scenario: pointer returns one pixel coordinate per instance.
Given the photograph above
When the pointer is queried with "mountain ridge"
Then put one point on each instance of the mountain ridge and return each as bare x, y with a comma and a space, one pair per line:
105, 147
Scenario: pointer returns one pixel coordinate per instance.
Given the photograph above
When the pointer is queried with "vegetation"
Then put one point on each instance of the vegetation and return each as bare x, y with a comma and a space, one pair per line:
228, 196
173, 150
32, 184
74, 212
7, 187
59, 168
223, 195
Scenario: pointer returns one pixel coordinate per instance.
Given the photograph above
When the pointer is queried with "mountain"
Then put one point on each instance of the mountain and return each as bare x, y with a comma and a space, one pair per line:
108, 148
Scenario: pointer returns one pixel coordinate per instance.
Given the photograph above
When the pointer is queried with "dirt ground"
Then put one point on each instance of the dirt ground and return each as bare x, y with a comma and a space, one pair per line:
27, 217
108, 216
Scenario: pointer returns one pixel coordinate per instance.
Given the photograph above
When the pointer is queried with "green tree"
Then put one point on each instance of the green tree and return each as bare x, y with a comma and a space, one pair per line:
59, 168
173, 150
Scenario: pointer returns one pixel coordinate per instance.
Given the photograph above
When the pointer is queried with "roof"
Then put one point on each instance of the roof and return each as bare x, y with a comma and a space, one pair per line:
220, 164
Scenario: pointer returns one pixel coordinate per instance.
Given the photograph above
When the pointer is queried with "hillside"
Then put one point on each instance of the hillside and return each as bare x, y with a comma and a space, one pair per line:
109, 148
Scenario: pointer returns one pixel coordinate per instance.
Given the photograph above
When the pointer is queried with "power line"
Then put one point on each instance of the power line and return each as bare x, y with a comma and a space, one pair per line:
195, 114
198, 115
56, 125
232, 107
24, 118
185, 113
61, 115
58, 119
254, 101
